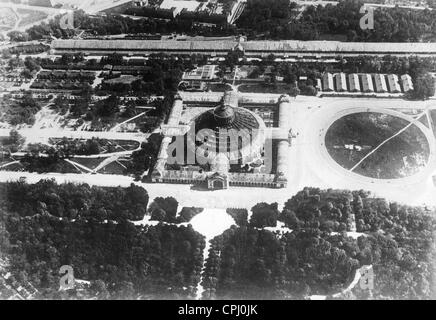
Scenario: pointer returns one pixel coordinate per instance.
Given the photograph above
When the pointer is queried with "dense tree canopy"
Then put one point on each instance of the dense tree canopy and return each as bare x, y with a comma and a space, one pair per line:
45, 225
124, 261
116, 24
75, 201
19, 111
121, 261
424, 86
318, 257
277, 19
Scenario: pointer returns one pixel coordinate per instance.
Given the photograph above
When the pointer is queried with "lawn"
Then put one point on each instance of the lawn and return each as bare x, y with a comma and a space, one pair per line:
352, 137
114, 167
8, 18
30, 16
90, 163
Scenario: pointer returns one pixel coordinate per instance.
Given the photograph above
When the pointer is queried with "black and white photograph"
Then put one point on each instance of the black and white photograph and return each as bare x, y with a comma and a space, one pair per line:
231, 152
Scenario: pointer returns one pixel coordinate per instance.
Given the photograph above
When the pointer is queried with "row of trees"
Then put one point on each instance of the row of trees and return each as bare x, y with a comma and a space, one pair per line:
74, 201
165, 210
41, 158
144, 159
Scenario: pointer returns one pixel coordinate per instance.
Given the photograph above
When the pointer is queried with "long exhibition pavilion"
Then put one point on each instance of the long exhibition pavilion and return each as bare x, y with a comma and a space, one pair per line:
216, 140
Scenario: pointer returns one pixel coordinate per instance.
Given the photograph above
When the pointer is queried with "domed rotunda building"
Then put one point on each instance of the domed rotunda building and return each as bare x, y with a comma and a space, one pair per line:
227, 130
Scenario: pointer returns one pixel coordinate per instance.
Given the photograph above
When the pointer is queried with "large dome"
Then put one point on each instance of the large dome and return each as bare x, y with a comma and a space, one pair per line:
226, 117
223, 115
229, 129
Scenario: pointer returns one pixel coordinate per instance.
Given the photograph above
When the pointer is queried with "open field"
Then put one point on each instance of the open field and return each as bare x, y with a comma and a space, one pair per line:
20, 17
8, 18
350, 138
30, 16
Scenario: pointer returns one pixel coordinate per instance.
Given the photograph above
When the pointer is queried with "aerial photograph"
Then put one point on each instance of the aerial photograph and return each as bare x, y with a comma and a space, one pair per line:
198, 151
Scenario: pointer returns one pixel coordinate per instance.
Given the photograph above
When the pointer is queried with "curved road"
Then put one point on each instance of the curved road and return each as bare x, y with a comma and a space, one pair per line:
417, 178
318, 169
